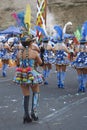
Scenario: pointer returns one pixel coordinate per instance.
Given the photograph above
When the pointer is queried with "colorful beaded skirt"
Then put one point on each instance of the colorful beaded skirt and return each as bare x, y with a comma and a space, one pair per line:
27, 76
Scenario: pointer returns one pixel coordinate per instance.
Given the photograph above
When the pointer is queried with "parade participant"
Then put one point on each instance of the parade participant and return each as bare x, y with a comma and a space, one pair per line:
85, 64
80, 64
61, 54
5, 58
85, 68
1, 49
28, 78
47, 56
61, 63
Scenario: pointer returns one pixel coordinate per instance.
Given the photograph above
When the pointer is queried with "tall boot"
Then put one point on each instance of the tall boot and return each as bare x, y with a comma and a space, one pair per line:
45, 77
86, 79
84, 82
63, 73
59, 79
26, 118
35, 103
48, 72
4, 70
80, 81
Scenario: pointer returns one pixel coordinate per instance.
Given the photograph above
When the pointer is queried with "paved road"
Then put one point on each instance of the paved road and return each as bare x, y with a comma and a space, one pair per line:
60, 109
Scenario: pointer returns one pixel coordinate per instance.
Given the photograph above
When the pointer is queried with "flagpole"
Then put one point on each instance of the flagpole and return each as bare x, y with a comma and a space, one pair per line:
45, 11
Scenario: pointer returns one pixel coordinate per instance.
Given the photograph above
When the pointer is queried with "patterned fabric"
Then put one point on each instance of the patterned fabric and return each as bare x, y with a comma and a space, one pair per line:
1, 53
14, 52
81, 60
49, 57
25, 74
60, 58
5, 55
85, 62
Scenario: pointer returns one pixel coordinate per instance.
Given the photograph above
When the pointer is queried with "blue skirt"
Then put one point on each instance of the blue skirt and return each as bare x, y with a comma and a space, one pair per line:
49, 57
81, 61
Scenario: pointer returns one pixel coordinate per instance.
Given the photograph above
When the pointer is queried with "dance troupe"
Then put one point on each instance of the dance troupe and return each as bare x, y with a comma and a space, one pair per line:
29, 53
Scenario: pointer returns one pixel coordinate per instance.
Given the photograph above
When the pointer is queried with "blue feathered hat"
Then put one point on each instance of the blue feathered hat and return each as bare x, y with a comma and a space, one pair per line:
83, 41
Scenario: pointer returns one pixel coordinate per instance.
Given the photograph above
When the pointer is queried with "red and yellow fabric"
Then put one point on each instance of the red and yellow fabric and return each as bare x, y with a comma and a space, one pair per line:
41, 16
41, 13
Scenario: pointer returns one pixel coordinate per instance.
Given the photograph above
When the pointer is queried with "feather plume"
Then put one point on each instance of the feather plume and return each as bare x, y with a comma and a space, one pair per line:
65, 26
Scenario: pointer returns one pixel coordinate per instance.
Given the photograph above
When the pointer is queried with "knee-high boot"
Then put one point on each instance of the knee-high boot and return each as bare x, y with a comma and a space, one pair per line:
35, 103
86, 79
81, 83
59, 79
84, 82
48, 72
45, 77
4, 70
26, 118
63, 73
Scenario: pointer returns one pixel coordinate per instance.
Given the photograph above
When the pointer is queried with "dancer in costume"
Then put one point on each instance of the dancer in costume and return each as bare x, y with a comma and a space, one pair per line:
61, 54
85, 68
1, 49
5, 58
80, 64
28, 78
47, 57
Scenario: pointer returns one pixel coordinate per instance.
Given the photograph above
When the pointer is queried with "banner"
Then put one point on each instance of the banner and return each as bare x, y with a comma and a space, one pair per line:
77, 33
41, 13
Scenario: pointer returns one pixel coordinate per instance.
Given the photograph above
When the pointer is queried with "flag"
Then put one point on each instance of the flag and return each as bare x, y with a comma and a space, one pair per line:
21, 18
77, 33
15, 16
27, 17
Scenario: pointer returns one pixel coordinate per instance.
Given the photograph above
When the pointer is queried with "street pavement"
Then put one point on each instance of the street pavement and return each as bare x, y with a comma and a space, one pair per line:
59, 109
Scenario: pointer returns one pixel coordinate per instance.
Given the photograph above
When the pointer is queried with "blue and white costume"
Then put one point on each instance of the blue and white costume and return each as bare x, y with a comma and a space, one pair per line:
5, 56
60, 58
61, 61
1, 50
14, 52
80, 61
81, 64
49, 57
